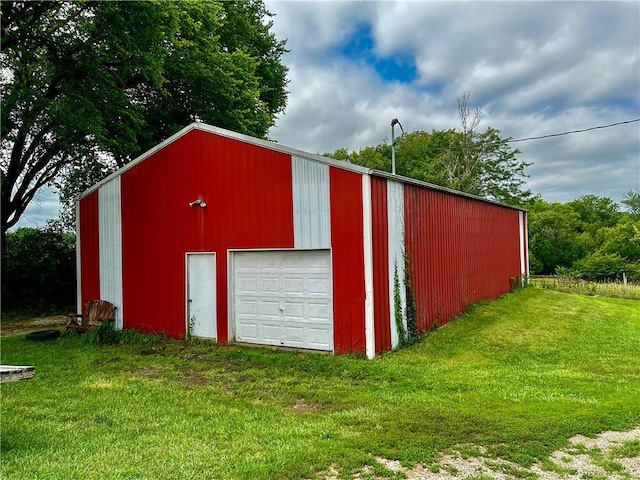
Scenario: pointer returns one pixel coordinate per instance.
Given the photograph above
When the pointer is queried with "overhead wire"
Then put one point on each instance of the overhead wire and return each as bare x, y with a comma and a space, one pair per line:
573, 131
540, 137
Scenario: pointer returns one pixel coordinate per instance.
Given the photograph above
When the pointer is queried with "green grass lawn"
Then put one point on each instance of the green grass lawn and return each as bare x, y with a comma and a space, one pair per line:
519, 376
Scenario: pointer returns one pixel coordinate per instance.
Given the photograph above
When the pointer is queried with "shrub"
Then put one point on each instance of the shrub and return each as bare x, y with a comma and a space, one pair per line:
599, 266
38, 270
633, 271
107, 334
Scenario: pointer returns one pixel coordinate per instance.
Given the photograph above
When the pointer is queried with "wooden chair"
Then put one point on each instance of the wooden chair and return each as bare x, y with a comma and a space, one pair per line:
94, 314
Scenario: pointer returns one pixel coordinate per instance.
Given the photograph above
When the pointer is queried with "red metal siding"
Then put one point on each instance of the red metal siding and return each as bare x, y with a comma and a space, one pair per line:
347, 260
249, 205
89, 249
380, 238
460, 251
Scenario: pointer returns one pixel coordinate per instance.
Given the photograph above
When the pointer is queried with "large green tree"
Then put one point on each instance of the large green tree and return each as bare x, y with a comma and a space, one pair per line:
88, 86
595, 212
481, 163
555, 238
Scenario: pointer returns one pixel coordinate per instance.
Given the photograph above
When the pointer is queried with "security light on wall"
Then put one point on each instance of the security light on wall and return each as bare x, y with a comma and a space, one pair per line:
199, 202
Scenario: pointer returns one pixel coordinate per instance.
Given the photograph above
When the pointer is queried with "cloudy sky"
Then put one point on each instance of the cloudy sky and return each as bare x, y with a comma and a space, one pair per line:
536, 68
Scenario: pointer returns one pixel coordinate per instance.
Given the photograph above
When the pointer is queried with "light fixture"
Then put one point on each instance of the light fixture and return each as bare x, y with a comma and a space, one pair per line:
393, 144
199, 202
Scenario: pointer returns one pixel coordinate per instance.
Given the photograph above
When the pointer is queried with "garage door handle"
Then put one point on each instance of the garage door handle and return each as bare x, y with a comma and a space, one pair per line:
282, 309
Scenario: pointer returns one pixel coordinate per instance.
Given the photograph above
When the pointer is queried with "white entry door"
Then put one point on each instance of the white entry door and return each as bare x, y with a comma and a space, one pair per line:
201, 295
284, 298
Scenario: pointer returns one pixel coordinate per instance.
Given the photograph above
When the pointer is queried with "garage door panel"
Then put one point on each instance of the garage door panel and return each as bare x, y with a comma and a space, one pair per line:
286, 296
249, 331
248, 307
293, 285
291, 264
318, 311
247, 284
293, 311
271, 330
319, 263
320, 339
270, 285
294, 334
269, 309
319, 287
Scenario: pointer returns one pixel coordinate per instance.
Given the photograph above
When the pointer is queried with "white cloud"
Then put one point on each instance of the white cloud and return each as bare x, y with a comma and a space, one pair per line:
536, 67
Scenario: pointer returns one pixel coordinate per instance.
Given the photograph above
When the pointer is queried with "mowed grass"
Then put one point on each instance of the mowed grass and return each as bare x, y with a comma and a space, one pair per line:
519, 376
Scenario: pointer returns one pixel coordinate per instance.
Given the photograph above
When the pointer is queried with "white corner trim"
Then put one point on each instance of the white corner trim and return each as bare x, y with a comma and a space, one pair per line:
395, 233
369, 333
78, 263
525, 215
523, 244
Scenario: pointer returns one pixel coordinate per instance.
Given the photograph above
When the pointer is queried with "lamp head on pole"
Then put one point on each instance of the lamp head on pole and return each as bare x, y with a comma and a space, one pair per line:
394, 122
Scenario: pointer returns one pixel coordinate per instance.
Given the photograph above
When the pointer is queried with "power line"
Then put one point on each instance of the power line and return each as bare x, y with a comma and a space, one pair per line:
490, 144
573, 131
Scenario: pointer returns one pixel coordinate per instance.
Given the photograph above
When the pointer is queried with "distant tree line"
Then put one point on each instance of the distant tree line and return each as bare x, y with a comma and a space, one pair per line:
39, 271
588, 237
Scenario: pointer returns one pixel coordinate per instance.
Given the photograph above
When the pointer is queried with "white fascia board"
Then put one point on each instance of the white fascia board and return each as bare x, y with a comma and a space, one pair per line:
281, 148
232, 135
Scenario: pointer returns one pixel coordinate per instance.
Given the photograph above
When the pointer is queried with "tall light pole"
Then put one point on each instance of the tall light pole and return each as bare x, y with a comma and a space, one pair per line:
393, 144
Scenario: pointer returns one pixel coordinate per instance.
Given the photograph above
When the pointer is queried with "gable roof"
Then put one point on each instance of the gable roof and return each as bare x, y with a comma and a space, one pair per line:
286, 150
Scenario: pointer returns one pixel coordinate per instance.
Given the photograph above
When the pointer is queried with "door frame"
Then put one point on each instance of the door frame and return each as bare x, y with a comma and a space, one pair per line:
187, 293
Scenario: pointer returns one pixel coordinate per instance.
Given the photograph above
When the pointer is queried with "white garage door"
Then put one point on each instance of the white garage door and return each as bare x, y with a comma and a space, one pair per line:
284, 298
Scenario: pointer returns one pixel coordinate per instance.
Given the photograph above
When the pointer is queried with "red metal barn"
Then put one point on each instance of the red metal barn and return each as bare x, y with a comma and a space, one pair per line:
223, 236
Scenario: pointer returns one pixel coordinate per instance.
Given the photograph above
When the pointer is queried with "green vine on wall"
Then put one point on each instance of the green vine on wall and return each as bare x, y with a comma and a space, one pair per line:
407, 335
412, 335
397, 306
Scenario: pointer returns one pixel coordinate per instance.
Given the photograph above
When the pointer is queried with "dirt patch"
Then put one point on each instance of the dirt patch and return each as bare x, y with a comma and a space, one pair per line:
105, 361
154, 372
191, 378
301, 407
10, 328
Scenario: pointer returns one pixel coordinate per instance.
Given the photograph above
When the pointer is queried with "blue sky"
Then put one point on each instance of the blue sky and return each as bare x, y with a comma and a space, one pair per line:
535, 68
